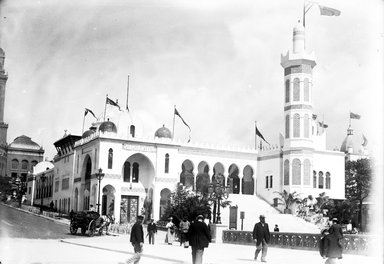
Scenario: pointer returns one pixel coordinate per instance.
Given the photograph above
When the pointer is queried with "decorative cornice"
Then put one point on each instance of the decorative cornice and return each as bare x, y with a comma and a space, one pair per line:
297, 106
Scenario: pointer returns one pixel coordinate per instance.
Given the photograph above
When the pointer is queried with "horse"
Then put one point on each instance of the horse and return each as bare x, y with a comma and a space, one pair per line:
107, 220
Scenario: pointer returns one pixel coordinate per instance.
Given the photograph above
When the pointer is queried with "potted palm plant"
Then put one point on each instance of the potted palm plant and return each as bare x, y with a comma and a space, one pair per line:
288, 199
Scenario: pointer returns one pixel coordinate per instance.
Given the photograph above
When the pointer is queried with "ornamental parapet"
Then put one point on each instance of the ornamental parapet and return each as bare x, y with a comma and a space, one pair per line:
352, 244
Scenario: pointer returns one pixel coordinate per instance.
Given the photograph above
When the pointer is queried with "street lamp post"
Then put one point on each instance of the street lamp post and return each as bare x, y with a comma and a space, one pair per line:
99, 176
217, 191
42, 178
18, 184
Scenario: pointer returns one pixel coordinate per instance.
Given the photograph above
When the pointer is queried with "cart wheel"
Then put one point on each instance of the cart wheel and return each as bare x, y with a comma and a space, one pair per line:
83, 231
92, 228
73, 229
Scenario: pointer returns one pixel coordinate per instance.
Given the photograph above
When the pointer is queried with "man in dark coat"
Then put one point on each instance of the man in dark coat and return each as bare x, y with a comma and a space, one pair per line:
331, 248
199, 238
152, 230
261, 236
137, 240
336, 229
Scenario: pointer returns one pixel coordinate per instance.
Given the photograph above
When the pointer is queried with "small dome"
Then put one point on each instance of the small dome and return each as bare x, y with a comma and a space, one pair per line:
163, 132
87, 133
348, 146
24, 142
108, 126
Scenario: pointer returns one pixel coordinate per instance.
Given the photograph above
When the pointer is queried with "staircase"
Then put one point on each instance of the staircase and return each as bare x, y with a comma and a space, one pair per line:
254, 206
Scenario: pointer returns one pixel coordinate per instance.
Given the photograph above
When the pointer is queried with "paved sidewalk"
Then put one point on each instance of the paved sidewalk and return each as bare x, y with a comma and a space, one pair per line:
216, 253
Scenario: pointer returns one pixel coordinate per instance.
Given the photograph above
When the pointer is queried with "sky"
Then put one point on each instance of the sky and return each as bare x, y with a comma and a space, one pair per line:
217, 61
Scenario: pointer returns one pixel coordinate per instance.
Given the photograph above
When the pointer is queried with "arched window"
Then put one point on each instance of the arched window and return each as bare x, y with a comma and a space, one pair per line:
287, 91
306, 90
127, 171
327, 180
321, 180
135, 172
166, 167
307, 172
306, 126
110, 158
15, 164
24, 165
132, 130
286, 172
296, 172
314, 179
296, 125
296, 89
287, 126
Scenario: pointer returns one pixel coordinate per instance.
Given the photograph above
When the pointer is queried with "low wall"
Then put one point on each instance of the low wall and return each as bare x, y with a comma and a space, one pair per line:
352, 244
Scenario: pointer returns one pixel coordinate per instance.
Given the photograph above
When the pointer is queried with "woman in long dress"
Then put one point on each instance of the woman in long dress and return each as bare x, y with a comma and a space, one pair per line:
170, 231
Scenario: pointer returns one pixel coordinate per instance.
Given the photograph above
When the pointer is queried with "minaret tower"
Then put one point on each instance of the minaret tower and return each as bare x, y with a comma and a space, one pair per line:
3, 81
298, 114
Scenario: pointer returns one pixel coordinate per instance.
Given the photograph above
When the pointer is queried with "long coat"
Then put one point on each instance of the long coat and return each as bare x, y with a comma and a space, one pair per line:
137, 234
199, 235
261, 232
332, 247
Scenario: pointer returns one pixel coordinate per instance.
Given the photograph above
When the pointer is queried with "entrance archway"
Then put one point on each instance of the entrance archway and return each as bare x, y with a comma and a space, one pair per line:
108, 200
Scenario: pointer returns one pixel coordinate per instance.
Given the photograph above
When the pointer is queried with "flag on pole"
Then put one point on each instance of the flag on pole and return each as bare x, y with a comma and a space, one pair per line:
260, 135
89, 111
354, 116
365, 141
178, 114
327, 11
322, 124
111, 102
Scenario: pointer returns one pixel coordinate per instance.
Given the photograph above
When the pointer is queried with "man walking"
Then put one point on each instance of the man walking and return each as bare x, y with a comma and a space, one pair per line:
261, 237
152, 230
199, 238
137, 240
184, 227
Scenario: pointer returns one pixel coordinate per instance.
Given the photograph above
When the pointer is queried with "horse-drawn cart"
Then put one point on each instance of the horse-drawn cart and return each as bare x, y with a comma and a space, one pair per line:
87, 221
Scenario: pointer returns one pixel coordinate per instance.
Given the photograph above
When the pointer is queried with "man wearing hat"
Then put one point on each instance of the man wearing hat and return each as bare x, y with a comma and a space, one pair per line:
137, 240
336, 229
199, 238
151, 231
261, 236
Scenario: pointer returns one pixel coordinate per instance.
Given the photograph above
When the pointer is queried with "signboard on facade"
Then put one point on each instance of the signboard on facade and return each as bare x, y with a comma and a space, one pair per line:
139, 148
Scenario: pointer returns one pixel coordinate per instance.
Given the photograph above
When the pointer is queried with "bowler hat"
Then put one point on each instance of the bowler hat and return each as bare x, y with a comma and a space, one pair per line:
200, 217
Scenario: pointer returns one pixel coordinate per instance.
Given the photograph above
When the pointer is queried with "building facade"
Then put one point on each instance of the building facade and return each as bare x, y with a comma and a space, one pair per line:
140, 172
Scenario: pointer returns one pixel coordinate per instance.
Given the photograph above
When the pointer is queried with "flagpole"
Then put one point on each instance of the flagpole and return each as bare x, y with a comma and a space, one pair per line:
105, 108
127, 93
173, 129
82, 131
255, 135
350, 122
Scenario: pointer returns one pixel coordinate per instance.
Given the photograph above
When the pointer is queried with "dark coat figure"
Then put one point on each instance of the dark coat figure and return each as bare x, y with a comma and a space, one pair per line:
199, 238
137, 240
332, 248
261, 235
152, 230
336, 230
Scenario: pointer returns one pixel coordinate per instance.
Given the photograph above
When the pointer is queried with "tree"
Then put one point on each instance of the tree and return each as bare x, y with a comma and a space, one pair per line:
288, 199
358, 181
186, 203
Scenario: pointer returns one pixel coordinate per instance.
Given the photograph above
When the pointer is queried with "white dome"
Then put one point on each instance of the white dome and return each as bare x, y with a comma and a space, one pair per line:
42, 166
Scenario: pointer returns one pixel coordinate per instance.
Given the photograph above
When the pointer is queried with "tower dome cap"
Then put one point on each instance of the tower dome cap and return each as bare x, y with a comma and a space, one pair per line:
163, 132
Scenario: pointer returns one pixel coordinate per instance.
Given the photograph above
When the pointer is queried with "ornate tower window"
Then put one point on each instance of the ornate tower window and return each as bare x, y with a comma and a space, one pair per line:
287, 126
296, 89
307, 172
306, 90
306, 126
110, 158
296, 172
286, 172
287, 91
166, 167
296, 125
